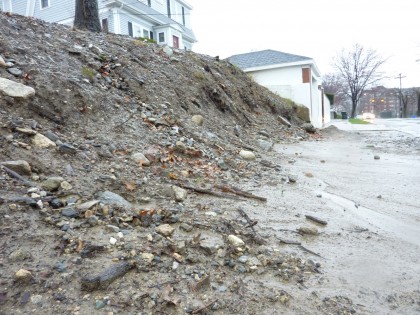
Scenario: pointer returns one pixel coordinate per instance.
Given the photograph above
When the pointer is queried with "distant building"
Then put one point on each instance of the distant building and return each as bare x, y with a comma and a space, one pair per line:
385, 102
165, 21
290, 76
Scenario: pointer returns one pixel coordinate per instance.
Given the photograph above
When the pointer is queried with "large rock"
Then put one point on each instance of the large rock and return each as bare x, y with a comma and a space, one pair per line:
15, 89
41, 141
21, 167
303, 113
114, 199
211, 242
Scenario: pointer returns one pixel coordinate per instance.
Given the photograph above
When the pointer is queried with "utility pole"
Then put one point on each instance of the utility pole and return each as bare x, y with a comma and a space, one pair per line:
400, 98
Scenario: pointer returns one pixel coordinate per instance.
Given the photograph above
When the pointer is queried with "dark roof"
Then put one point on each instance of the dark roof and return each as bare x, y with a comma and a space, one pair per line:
264, 58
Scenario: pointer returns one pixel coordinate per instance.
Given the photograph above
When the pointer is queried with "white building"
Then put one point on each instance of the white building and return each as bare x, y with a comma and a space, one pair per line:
290, 76
165, 21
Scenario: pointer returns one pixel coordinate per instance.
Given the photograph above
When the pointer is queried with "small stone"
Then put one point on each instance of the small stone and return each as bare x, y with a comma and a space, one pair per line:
99, 304
26, 131
175, 265
120, 235
308, 230
165, 230
19, 255
180, 146
235, 241
112, 240
66, 185
292, 178
377, 157
23, 275
56, 203
180, 193
66, 148
41, 141
198, 120
15, 71
52, 183
140, 158
36, 299
243, 259
112, 228
147, 257
13, 206
186, 227
35, 195
168, 50
247, 155
93, 220
69, 212
264, 144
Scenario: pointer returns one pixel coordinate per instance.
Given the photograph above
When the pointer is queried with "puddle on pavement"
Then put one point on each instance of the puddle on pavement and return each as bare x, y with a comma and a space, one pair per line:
406, 232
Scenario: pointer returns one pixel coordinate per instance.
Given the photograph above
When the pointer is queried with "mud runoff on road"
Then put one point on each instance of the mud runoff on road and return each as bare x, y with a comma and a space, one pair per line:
366, 190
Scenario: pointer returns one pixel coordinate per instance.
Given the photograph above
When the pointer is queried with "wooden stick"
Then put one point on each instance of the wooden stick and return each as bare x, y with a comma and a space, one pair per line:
309, 251
317, 220
209, 192
199, 310
239, 192
289, 242
17, 176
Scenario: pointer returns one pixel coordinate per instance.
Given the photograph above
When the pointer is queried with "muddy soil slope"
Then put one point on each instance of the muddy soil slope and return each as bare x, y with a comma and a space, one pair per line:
123, 176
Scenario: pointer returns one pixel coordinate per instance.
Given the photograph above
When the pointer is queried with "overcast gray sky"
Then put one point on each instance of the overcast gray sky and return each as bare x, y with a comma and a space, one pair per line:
317, 29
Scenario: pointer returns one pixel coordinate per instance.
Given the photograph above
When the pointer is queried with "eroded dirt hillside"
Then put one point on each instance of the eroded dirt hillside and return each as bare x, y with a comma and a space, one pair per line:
122, 176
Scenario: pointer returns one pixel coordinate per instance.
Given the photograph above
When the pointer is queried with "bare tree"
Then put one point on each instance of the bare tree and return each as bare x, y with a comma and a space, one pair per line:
333, 84
87, 15
418, 102
358, 68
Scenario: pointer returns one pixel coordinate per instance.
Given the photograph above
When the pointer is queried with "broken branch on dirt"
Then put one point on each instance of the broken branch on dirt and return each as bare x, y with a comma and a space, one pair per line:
201, 309
289, 242
19, 177
315, 219
309, 251
91, 283
208, 192
241, 193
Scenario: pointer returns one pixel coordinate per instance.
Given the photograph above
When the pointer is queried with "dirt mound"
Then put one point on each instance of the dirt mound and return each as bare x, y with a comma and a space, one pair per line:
121, 177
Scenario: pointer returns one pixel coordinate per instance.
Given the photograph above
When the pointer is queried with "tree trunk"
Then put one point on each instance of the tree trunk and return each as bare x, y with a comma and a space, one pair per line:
404, 99
87, 15
353, 109
418, 104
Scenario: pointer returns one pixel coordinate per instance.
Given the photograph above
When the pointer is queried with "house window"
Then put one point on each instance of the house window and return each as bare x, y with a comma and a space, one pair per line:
306, 73
161, 37
105, 25
130, 29
168, 4
145, 33
183, 16
45, 4
151, 35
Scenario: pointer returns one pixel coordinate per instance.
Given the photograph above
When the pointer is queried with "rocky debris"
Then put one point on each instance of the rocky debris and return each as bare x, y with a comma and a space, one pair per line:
308, 230
376, 157
106, 104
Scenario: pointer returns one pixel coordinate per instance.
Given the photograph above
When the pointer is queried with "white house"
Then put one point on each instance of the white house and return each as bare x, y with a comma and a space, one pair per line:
165, 21
290, 76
